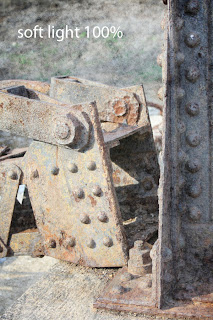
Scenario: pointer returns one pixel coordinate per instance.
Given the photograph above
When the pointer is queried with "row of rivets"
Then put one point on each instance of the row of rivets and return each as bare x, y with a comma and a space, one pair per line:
70, 242
72, 167
96, 190
84, 218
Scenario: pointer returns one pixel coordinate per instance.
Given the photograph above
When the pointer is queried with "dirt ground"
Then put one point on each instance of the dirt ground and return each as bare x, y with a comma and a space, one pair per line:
119, 62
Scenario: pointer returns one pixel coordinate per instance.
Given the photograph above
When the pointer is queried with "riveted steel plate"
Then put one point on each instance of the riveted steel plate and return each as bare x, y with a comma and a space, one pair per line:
185, 257
9, 181
74, 200
114, 104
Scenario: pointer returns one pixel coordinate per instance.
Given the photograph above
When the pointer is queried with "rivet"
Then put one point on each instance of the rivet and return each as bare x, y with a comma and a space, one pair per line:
79, 193
84, 218
13, 175
91, 166
179, 24
192, 109
107, 241
193, 165
35, 174
118, 289
126, 276
192, 74
62, 131
192, 7
193, 139
1, 249
91, 243
180, 93
69, 243
192, 40
102, 217
180, 58
72, 167
194, 214
97, 191
55, 171
194, 190
51, 243
147, 184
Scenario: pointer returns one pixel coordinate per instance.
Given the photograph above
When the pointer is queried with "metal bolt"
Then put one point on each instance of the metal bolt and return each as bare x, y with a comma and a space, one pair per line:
84, 218
192, 40
193, 109
13, 175
62, 131
79, 193
55, 171
118, 289
91, 165
69, 243
1, 249
193, 165
91, 244
51, 243
107, 241
193, 74
35, 174
72, 167
102, 217
194, 213
192, 7
97, 191
193, 139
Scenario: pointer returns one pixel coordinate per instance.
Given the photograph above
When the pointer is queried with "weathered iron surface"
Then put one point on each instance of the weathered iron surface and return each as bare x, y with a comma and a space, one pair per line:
113, 104
74, 201
9, 181
39, 86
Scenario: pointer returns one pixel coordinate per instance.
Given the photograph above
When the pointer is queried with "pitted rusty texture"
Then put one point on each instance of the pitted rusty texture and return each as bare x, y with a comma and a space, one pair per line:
74, 200
114, 104
186, 227
42, 87
9, 182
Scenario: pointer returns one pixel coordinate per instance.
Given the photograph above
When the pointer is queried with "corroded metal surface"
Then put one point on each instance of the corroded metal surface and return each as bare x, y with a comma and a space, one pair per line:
74, 201
113, 104
39, 86
9, 181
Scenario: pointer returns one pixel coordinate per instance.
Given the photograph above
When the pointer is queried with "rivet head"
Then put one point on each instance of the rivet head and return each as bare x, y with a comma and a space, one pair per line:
97, 191
194, 214
84, 218
193, 165
12, 175
72, 167
34, 174
69, 243
180, 58
91, 244
107, 241
79, 193
55, 171
102, 217
192, 40
192, 7
194, 190
193, 139
118, 289
147, 184
51, 243
192, 109
62, 131
91, 166
1, 249
192, 74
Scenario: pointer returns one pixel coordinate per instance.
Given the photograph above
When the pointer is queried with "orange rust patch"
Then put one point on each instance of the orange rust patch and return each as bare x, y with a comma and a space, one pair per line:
93, 201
